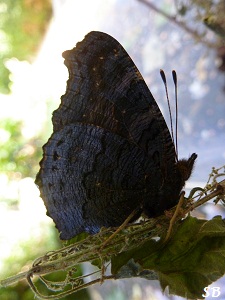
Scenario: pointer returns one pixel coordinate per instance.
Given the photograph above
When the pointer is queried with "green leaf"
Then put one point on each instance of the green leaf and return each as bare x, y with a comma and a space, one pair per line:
75, 239
192, 259
123, 258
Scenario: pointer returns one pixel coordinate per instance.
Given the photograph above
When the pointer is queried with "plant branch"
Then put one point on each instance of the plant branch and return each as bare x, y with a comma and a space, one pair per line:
91, 248
193, 33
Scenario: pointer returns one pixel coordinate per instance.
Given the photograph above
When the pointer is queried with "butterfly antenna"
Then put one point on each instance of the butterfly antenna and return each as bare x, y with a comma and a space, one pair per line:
162, 73
174, 74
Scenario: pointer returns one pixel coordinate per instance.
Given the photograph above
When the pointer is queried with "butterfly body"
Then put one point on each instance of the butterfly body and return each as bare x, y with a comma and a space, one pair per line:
111, 151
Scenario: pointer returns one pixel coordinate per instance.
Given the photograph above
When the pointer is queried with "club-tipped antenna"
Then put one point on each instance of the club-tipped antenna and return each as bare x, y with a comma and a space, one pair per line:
174, 75
162, 73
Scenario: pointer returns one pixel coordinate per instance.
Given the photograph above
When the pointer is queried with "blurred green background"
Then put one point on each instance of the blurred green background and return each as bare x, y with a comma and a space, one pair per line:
23, 25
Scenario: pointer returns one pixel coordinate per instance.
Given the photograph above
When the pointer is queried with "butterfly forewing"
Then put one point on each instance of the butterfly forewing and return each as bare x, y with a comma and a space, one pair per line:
106, 89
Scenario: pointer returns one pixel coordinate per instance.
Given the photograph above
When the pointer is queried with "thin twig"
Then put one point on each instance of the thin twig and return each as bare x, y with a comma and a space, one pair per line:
219, 191
193, 33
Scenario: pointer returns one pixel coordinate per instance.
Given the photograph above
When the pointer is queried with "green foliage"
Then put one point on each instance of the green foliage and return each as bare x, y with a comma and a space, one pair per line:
18, 156
193, 258
22, 26
24, 258
75, 239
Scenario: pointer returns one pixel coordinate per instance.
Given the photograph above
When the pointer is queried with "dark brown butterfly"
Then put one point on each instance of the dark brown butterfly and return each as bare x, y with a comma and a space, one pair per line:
111, 151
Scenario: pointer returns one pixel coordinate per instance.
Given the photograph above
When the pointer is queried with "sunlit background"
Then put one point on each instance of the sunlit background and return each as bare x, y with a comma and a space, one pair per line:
33, 34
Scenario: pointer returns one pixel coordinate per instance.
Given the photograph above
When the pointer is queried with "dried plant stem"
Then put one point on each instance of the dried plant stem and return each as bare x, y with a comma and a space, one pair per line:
104, 245
90, 248
66, 293
219, 190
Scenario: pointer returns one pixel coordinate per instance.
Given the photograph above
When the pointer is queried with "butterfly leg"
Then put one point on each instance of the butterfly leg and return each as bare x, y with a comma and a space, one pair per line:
173, 219
121, 227
128, 219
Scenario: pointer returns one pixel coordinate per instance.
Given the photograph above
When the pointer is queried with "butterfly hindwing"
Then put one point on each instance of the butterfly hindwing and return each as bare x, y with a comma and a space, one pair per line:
91, 178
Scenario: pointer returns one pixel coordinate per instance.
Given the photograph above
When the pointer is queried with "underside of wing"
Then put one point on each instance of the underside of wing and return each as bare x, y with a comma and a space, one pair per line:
92, 178
106, 89
111, 151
